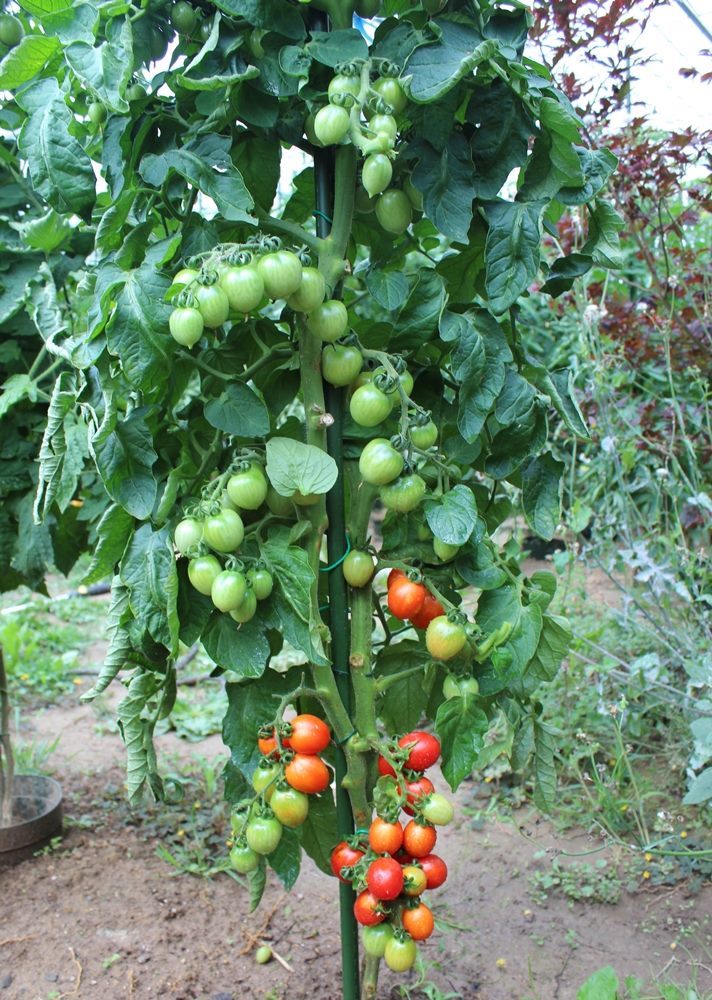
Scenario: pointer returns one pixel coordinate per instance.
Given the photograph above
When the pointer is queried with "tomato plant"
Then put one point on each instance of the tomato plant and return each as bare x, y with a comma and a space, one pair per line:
235, 383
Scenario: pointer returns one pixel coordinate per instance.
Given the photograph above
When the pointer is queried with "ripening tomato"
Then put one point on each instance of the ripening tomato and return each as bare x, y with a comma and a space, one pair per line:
384, 878
243, 286
223, 532
307, 773
435, 808
418, 921
395, 575
424, 749
415, 791
367, 909
376, 938
419, 839
344, 856
309, 734
384, 768
445, 639
432, 608
406, 598
415, 880
385, 837
435, 870
311, 291
404, 494
289, 806
267, 744
400, 953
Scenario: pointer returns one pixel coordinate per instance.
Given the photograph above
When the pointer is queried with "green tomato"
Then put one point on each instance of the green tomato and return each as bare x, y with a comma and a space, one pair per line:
185, 276
188, 534
330, 320
243, 286
224, 532
364, 202
97, 113
228, 590
341, 84
183, 17
11, 30
392, 93
205, 29
368, 8
444, 551
263, 834
310, 293
400, 953
436, 809
264, 779
424, 435
135, 93
445, 639
202, 572
358, 568
380, 463
280, 506
262, 582
331, 124
340, 364
248, 489
281, 272
404, 494
243, 859
460, 687
377, 173
290, 806
384, 125
186, 325
394, 211
263, 954
369, 406
213, 305
375, 939
246, 611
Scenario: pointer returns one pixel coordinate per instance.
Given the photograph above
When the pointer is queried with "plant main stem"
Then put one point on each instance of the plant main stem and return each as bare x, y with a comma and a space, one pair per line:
7, 760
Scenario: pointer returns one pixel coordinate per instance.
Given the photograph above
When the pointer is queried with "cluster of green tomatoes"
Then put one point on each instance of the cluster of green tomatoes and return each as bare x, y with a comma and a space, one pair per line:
368, 115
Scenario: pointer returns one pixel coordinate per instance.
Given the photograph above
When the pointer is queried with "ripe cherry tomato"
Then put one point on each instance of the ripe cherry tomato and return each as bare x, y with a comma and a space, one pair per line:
418, 921
228, 590
289, 806
367, 909
186, 326
415, 880
424, 749
376, 938
331, 124
380, 463
340, 364
263, 833
188, 534
415, 791
344, 856
311, 291
224, 532
435, 808
330, 320
432, 608
425, 435
394, 211
202, 572
404, 494
243, 859
243, 286
308, 774
281, 272
309, 734
395, 575
384, 878
400, 953
460, 687
384, 767
445, 639
444, 551
264, 778
392, 93
435, 870
358, 568
247, 608
377, 173
262, 582
213, 305
341, 84
384, 837
406, 598
419, 839
248, 488
369, 406
267, 745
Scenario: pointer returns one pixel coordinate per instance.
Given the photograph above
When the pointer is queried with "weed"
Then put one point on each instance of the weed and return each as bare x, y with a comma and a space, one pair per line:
579, 882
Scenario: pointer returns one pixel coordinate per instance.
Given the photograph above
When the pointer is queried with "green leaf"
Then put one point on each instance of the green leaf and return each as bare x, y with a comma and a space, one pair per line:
334, 47
217, 65
403, 703
523, 744
495, 607
603, 243
554, 644
500, 142
149, 571
286, 859
60, 169
597, 165
452, 518
274, 15
75, 23
477, 566
602, 985
544, 769
63, 450
497, 741
294, 467
541, 494
435, 69
239, 411
124, 456
389, 288
479, 365
117, 634
25, 60
16, 389
700, 790
418, 317
460, 724
113, 532
46, 233
244, 649
512, 250
447, 180
463, 270
206, 164
564, 272
291, 600
136, 733
257, 880
105, 69
251, 704
259, 161
38, 8
319, 830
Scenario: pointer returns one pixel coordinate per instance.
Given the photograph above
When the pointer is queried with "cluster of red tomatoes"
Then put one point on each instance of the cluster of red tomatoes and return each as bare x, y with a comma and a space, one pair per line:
289, 771
411, 601
391, 865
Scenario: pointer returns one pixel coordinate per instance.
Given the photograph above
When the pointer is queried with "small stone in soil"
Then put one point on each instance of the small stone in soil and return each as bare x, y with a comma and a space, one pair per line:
51, 977
222, 996
6, 981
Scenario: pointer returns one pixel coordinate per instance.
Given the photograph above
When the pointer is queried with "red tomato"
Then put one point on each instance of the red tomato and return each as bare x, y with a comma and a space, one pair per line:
384, 878
418, 921
394, 576
385, 838
367, 909
406, 598
268, 744
344, 856
416, 790
419, 839
423, 753
309, 734
435, 869
307, 774
384, 768
432, 608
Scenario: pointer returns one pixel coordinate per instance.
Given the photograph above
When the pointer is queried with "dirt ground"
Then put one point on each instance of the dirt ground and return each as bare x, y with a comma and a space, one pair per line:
104, 918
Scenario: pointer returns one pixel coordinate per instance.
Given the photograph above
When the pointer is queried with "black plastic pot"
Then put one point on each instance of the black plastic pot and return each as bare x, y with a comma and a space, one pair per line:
36, 817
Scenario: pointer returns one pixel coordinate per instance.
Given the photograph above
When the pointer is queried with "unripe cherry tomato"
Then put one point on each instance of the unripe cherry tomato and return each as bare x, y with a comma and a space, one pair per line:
424, 435
344, 856
445, 639
419, 839
415, 197
213, 305
400, 953
404, 494
247, 608
224, 532
186, 325
341, 84
367, 909
406, 383
183, 17
289, 806
418, 921
309, 734
436, 809
358, 568
308, 774
385, 837
11, 30
185, 276
243, 286
392, 93
460, 687
243, 859
263, 834
384, 125
394, 211
444, 551
405, 598
228, 590
262, 582
384, 878
340, 364
380, 463
311, 291
424, 749
376, 938
377, 173
329, 321
202, 572
331, 124
264, 778
369, 406
435, 870
188, 533
97, 113
248, 488
432, 608
281, 272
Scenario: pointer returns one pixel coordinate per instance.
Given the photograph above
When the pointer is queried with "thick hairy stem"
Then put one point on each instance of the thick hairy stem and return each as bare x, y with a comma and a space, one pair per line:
369, 978
7, 760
